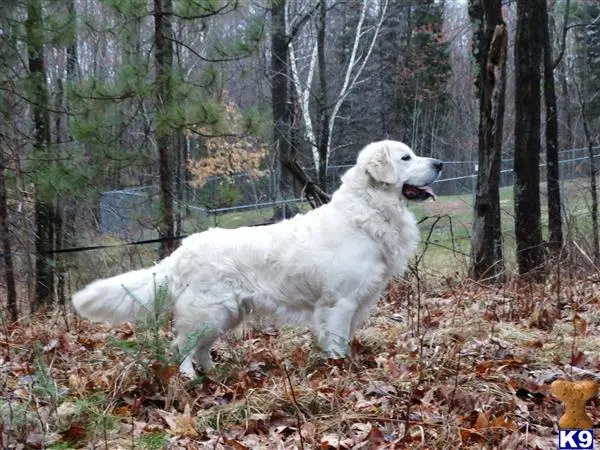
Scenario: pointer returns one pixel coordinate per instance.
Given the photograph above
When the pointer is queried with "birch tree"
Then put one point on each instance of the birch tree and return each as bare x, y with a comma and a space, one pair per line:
328, 107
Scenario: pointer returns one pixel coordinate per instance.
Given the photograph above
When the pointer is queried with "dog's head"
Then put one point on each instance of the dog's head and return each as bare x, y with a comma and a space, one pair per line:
394, 165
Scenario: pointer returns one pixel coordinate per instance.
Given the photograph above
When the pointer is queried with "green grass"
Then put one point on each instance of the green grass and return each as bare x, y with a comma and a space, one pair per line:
153, 441
60, 446
235, 219
576, 200
241, 218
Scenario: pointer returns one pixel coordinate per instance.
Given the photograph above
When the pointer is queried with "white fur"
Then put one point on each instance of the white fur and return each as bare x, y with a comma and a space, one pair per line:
326, 268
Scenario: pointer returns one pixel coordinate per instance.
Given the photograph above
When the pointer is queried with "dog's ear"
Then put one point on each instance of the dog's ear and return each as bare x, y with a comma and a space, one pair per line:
380, 166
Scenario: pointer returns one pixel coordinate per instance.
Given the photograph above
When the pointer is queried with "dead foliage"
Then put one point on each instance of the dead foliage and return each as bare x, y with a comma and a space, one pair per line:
475, 375
228, 155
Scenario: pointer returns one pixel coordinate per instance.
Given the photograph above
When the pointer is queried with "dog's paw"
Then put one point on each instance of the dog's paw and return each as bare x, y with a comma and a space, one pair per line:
338, 351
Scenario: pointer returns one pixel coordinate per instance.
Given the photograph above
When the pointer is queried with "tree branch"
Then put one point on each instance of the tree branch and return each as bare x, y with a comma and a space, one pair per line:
563, 43
296, 28
204, 58
312, 191
209, 13
350, 80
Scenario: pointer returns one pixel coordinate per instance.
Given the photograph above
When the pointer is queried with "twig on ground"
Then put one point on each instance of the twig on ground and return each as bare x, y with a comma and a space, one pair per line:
298, 419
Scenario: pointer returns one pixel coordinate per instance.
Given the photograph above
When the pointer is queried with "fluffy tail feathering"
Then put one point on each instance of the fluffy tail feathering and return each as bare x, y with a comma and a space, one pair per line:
119, 299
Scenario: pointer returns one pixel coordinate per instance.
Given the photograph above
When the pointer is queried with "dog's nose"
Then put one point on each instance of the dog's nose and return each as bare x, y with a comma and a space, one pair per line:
438, 164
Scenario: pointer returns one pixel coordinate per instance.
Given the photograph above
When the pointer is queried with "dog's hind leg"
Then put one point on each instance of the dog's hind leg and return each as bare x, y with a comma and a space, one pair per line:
197, 331
195, 345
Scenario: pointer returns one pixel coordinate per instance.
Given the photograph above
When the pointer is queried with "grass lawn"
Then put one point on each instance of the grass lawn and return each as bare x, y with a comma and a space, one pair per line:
447, 224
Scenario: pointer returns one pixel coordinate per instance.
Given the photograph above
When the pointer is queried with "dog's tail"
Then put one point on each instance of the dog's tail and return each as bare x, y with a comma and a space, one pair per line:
126, 297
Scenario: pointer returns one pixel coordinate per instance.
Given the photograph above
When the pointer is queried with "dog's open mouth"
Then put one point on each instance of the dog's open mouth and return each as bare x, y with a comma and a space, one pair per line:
418, 192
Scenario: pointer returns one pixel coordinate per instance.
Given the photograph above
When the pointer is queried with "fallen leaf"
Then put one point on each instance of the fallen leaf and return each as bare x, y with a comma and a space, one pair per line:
336, 442
578, 359
504, 422
164, 373
473, 423
74, 433
235, 444
579, 324
481, 422
122, 411
380, 389
484, 367
180, 424
375, 436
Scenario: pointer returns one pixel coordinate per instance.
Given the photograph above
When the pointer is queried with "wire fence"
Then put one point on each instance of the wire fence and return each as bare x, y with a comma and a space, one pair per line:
243, 200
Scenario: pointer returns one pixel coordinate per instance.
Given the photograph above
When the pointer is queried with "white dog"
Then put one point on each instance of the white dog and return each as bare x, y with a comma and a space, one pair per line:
326, 268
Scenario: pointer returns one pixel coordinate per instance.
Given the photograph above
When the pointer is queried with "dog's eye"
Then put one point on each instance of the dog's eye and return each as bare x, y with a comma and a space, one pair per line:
406, 158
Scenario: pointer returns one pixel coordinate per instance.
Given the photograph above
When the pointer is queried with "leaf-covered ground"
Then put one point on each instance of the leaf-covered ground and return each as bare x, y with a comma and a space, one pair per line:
461, 366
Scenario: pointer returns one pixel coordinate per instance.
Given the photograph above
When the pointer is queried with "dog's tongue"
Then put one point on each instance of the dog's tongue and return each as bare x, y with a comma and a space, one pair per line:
429, 191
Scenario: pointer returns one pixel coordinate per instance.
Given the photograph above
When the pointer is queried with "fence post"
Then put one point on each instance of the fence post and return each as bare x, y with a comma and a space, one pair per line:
474, 183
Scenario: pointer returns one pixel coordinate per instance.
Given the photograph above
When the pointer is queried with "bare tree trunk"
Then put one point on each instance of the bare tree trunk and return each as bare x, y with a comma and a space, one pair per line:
281, 109
568, 139
555, 238
489, 51
178, 185
323, 144
60, 239
9, 273
302, 99
72, 56
594, 191
61, 217
44, 214
593, 181
528, 225
163, 42
180, 143
64, 220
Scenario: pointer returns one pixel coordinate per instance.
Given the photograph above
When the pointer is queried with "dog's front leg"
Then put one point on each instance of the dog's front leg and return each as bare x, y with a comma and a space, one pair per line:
333, 327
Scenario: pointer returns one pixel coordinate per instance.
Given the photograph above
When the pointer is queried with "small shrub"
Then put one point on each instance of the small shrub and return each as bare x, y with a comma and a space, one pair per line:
228, 195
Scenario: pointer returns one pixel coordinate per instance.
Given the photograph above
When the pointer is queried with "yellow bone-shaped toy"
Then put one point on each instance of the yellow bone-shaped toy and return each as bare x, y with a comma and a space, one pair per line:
574, 395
